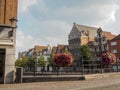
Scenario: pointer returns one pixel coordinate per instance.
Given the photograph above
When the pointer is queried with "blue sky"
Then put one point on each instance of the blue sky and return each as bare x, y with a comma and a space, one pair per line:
43, 22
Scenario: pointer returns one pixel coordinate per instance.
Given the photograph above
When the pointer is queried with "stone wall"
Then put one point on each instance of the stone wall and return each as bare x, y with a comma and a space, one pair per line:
9, 47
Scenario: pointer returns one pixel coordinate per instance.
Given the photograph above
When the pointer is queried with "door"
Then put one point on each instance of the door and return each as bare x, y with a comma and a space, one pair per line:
2, 64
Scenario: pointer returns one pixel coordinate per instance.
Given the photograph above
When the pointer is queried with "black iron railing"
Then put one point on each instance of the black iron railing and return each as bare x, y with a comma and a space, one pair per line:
92, 67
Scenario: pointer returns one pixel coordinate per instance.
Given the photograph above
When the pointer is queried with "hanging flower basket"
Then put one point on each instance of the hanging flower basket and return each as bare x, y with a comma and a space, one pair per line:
108, 57
63, 59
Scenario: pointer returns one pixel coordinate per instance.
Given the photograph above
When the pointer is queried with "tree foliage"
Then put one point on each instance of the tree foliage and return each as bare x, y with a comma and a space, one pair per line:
51, 59
21, 62
18, 63
31, 62
85, 52
25, 61
41, 61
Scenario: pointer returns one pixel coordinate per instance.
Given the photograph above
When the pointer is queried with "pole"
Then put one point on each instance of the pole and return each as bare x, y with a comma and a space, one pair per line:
35, 68
117, 65
82, 66
57, 71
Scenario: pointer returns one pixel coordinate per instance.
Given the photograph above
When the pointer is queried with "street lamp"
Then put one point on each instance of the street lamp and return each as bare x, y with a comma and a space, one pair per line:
13, 22
12, 33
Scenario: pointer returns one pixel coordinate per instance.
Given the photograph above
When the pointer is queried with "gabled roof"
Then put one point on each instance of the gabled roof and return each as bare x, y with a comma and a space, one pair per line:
60, 47
39, 48
30, 51
92, 30
116, 38
109, 35
84, 27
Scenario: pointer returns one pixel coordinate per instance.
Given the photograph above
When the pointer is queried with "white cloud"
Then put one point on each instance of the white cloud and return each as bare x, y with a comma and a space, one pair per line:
24, 42
25, 4
109, 12
52, 32
56, 25
53, 41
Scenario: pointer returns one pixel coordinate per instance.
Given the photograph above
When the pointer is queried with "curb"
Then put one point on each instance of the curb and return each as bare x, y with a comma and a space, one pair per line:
99, 76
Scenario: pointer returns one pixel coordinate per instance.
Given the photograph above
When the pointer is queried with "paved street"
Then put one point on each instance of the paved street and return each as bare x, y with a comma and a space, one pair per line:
112, 83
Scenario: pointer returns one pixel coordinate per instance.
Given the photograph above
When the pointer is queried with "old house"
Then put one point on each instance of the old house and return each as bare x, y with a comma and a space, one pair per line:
81, 34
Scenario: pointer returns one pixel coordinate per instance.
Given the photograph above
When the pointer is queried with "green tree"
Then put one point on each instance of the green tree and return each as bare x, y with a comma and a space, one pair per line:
31, 62
51, 59
21, 63
41, 61
18, 62
85, 52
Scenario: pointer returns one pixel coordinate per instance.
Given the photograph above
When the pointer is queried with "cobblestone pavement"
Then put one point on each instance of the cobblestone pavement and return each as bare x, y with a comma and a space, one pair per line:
112, 83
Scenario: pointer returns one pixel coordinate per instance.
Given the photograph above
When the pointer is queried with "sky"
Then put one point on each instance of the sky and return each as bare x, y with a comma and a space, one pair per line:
43, 22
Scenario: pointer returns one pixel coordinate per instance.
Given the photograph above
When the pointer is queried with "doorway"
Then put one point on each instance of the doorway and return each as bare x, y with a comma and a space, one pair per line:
2, 65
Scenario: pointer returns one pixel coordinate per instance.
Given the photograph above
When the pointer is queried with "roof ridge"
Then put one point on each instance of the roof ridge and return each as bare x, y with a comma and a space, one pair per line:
117, 37
86, 26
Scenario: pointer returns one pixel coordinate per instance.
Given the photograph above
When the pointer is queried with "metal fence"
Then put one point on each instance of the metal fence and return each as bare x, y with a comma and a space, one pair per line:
86, 67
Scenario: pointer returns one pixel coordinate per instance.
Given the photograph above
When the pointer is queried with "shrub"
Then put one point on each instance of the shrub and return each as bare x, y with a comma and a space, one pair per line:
108, 57
63, 59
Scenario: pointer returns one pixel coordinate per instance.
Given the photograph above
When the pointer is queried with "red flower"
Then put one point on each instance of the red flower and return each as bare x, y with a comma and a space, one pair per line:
108, 57
63, 59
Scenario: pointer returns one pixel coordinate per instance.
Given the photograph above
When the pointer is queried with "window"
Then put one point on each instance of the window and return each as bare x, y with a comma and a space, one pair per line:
114, 51
113, 43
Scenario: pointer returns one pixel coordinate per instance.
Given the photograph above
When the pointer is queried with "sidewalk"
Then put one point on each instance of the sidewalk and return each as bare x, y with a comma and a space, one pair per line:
112, 83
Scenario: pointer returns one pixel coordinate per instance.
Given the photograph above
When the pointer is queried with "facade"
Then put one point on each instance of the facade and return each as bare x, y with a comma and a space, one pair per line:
8, 24
46, 52
78, 36
81, 34
114, 46
8, 10
37, 51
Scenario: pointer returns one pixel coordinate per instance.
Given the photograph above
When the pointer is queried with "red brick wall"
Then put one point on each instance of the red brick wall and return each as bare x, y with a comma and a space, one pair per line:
8, 11
117, 47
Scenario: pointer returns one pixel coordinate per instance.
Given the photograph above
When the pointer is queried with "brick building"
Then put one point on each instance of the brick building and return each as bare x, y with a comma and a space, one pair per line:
81, 34
8, 10
114, 46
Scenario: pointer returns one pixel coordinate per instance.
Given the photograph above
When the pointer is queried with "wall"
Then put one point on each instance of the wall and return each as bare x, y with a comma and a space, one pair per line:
9, 46
8, 10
